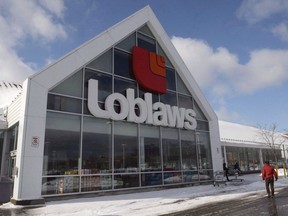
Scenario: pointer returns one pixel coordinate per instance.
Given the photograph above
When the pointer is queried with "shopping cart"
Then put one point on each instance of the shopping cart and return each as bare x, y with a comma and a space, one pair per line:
219, 178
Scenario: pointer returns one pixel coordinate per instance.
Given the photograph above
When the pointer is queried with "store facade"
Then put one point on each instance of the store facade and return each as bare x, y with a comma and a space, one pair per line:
120, 112
246, 146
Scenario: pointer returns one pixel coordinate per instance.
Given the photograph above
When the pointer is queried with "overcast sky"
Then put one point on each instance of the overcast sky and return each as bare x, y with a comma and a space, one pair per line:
236, 50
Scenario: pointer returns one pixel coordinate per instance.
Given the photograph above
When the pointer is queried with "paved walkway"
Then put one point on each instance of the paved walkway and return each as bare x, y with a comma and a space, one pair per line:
256, 204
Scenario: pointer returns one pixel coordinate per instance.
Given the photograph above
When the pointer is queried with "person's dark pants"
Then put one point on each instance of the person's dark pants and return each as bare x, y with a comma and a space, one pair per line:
269, 183
226, 174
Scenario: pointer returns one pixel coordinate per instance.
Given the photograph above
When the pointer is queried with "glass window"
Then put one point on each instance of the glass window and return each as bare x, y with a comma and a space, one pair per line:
181, 87
169, 98
162, 53
103, 62
126, 181
205, 175
203, 148
62, 185
199, 114
62, 144
127, 43
123, 64
188, 147
171, 80
96, 183
190, 176
71, 86
121, 85
145, 29
104, 83
61, 103
172, 178
146, 42
150, 179
1, 145
185, 101
171, 149
125, 147
13, 135
202, 125
155, 97
150, 148
96, 146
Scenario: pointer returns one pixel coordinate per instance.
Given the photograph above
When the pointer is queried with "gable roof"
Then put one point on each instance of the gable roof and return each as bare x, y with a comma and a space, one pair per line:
68, 64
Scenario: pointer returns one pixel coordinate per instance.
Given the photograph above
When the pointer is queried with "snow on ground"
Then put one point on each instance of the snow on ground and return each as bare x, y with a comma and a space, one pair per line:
154, 202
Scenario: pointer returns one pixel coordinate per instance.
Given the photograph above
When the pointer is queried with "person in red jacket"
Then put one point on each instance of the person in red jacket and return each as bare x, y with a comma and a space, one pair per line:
268, 174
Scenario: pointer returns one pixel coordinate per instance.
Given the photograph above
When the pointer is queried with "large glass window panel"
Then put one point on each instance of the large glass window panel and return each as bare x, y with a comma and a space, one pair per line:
205, 175
127, 43
243, 155
66, 104
121, 85
1, 145
103, 62
190, 176
13, 134
170, 149
162, 53
169, 98
204, 151
155, 97
150, 179
202, 125
171, 80
150, 148
199, 114
104, 83
123, 64
172, 178
71, 86
181, 87
126, 181
185, 101
62, 185
188, 147
96, 146
96, 183
145, 29
62, 144
146, 42
125, 147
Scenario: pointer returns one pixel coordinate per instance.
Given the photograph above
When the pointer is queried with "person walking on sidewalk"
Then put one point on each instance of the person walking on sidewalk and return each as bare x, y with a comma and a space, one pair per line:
268, 174
225, 171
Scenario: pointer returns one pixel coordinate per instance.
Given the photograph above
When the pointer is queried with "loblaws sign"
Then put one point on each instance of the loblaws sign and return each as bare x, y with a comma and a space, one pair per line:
149, 71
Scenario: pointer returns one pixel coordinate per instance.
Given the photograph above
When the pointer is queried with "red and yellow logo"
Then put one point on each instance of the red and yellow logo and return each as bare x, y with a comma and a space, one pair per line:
149, 70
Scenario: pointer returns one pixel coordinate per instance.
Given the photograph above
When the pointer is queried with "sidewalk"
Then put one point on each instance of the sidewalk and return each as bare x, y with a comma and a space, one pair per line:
233, 199
254, 204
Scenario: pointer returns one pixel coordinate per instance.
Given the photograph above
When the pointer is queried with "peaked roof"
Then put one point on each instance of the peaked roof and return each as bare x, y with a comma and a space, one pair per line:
70, 63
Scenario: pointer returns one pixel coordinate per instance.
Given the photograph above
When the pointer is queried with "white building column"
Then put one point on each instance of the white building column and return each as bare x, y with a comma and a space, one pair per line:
30, 148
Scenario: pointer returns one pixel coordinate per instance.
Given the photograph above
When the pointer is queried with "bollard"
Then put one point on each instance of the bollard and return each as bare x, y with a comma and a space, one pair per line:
284, 169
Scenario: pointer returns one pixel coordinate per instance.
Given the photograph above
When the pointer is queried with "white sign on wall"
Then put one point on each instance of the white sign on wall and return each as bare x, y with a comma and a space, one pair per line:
35, 141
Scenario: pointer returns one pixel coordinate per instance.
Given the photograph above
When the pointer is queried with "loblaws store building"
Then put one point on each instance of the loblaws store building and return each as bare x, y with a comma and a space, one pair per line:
120, 112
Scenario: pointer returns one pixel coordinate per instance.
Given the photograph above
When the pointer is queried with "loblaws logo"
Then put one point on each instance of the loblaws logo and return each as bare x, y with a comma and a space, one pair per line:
149, 70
